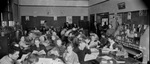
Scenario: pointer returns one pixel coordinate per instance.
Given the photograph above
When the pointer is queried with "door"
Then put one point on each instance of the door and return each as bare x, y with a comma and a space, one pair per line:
103, 16
92, 20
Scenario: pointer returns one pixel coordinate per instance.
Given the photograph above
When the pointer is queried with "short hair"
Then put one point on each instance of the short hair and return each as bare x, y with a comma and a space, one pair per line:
70, 44
78, 41
36, 39
13, 49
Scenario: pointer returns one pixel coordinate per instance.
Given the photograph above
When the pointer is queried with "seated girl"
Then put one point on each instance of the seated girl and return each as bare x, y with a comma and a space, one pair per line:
38, 48
81, 50
71, 57
58, 50
111, 45
94, 40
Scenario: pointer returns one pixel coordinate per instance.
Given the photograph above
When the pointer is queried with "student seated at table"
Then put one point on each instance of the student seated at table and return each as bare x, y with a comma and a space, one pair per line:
104, 41
121, 51
24, 44
111, 46
59, 49
81, 50
46, 41
94, 40
12, 57
70, 56
26, 41
37, 47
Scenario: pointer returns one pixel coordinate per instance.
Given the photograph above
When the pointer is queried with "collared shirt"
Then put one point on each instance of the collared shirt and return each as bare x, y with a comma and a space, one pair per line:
7, 60
72, 59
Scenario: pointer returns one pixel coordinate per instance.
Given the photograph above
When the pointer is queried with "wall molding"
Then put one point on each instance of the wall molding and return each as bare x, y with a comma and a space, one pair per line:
98, 3
76, 0
50, 6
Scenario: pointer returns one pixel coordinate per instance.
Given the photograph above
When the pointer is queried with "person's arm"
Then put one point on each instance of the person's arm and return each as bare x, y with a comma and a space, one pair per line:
87, 51
94, 44
42, 47
24, 56
76, 60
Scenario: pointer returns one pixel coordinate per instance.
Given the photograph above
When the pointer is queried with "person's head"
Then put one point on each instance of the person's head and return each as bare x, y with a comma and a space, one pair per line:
79, 42
22, 39
111, 40
82, 44
93, 36
47, 32
14, 54
70, 47
103, 36
37, 41
54, 33
110, 26
59, 42
53, 37
30, 34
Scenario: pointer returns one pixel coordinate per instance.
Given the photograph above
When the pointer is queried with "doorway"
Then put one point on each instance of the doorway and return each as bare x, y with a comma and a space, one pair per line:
92, 20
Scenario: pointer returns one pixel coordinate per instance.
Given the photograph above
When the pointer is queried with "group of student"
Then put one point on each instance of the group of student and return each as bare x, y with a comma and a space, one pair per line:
70, 46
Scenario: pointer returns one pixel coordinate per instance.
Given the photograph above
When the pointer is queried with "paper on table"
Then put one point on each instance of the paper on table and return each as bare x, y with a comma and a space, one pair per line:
42, 52
91, 56
48, 61
120, 61
45, 61
94, 50
108, 49
106, 57
34, 52
23, 57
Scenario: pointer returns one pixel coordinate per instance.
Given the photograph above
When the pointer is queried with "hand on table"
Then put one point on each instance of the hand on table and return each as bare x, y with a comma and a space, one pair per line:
24, 56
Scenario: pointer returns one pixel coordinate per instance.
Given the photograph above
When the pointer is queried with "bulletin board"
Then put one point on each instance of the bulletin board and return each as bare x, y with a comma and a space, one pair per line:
76, 19
135, 21
137, 17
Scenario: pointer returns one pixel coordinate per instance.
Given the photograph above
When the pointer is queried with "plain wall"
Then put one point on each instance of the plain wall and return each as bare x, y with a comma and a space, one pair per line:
53, 11
53, 7
55, 2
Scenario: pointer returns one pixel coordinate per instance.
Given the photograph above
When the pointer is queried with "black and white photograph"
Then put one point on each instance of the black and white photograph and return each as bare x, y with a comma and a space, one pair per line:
74, 32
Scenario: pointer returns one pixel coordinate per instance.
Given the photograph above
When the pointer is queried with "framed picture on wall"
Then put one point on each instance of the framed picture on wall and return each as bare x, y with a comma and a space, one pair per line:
121, 5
